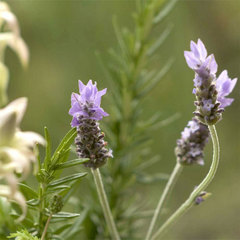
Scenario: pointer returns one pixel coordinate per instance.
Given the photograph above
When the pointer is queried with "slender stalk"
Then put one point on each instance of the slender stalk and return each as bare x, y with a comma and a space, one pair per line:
104, 203
175, 173
46, 227
202, 186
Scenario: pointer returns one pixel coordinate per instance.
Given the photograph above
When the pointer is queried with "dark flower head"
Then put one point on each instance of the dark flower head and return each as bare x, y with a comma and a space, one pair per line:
210, 91
190, 146
87, 104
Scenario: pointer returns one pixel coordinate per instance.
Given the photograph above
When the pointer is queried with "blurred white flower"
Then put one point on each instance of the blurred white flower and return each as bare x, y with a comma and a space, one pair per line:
16, 149
11, 36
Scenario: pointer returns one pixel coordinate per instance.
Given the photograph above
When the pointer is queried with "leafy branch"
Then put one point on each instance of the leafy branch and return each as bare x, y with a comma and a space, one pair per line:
45, 218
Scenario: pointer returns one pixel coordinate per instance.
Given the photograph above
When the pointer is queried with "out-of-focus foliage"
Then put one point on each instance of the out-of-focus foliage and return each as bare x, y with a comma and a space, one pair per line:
131, 78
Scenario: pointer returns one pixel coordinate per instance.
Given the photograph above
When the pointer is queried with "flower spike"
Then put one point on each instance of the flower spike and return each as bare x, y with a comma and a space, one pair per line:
190, 146
210, 91
86, 112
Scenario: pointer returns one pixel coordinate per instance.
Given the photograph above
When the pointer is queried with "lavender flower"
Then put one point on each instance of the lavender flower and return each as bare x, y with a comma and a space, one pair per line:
86, 112
190, 146
210, 91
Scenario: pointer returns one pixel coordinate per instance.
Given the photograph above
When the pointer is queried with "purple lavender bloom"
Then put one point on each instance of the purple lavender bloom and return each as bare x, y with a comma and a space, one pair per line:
87, 104
210, 92
86, 112
190, 146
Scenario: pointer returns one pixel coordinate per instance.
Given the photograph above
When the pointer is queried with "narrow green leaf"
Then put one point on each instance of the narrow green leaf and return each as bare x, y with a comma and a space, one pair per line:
67, 179
159, 41
62, 156
157, 78
58, 189
65, 215
145, 76
71, 163
150, 121
145, 178
165, 122
33, 202
56, 237
27, 191
76, 227
48, 148
149, 163
165, 11
119, 37
65, 143
62, 228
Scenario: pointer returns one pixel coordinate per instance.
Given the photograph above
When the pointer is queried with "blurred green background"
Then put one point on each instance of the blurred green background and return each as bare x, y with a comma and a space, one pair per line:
63, 37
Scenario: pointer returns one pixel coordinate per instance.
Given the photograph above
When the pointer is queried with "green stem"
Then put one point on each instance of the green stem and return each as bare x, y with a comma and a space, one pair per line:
202, 186
46, 227
175, 173
104, 203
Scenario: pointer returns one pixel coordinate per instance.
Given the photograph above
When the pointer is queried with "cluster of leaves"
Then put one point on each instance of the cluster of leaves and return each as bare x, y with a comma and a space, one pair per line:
131, 78
52, 194
23, 235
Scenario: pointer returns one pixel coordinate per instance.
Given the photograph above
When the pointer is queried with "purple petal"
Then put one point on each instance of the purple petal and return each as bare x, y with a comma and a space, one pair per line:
102, 92
74, 122
224, 84
75, 98
75, 108
202, 49
81, 86
233, 83
87, 93
194, 49
221, 79
213, 64
225, 101
191, 60
99, 95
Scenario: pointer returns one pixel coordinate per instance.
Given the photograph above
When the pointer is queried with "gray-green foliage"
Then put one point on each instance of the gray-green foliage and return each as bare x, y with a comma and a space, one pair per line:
131, 78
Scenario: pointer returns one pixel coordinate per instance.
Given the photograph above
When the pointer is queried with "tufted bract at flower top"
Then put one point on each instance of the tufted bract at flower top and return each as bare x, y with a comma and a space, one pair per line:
87, 103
